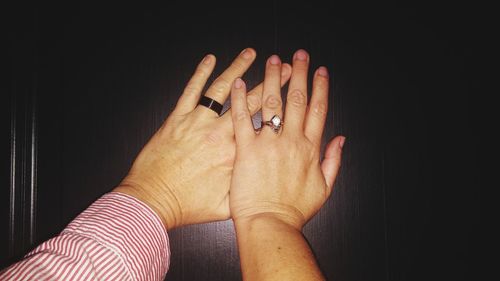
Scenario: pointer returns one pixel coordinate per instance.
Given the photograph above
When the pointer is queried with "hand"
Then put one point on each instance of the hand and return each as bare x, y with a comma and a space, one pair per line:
184, 171
280, 174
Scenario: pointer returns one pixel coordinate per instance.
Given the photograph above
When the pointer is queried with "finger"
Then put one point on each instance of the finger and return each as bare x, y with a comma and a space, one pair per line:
296, 105
192, 92
254, 98
242, 121
221, 87
318, 107
271, 93
331, 163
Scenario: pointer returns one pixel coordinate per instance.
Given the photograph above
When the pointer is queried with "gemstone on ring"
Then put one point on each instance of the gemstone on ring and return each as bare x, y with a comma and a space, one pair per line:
276, 120
275, 123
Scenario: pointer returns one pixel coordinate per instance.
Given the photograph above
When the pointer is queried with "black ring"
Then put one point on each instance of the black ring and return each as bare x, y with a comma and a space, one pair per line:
211, 103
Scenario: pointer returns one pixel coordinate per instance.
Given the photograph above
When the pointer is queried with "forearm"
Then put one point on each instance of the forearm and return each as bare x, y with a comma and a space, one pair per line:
273, 250
117, 237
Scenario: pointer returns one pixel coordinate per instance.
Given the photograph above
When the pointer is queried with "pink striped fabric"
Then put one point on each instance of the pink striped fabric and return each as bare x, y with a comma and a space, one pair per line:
116, 238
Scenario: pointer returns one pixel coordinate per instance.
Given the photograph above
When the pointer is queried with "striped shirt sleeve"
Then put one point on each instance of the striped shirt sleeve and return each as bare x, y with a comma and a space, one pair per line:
117, 238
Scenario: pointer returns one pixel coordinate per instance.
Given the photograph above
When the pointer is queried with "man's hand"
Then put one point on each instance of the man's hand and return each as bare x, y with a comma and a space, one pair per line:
184, 171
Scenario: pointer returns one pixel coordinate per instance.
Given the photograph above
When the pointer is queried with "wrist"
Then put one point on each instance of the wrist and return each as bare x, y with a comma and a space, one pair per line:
270, 219
168, 212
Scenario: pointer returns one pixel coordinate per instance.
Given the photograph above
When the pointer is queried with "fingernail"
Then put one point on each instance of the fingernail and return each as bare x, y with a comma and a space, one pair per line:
322, 71
274, 59
207, 59
301, 55
238, 83
341, 143
246, 54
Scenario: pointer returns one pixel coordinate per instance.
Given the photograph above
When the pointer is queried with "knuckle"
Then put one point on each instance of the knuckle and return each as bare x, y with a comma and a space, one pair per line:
239, 64
240, 115
300, 67
200, 73
220, 85
273, 102
298, 98
321, 84
253, 102
192, 88
320, 109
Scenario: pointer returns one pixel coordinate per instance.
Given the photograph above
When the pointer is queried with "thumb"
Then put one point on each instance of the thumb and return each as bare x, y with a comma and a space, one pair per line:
331, 163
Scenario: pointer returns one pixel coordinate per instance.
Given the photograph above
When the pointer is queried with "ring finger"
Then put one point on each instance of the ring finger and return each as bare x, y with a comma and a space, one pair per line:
220, 88
271, 96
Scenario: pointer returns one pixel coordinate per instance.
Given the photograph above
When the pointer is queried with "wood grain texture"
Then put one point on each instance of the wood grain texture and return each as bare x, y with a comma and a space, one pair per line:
109, 75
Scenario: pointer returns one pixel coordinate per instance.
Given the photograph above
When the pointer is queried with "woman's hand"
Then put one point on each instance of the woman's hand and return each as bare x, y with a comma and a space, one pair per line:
279, 175
184, 171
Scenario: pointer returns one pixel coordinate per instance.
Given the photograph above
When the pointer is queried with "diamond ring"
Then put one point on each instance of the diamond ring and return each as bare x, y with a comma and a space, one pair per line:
275, 123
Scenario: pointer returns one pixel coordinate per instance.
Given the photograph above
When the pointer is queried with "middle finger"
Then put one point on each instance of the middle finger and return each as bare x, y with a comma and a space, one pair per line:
296, 104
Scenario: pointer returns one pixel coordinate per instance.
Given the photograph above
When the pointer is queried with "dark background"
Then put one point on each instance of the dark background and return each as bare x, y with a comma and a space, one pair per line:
88, 84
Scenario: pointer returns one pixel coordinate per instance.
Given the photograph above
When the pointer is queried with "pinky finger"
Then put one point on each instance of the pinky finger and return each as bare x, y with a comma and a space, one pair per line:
331, 163
242, 122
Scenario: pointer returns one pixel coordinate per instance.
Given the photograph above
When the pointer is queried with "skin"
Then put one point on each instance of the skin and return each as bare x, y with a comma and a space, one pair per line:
278, 181
184, 171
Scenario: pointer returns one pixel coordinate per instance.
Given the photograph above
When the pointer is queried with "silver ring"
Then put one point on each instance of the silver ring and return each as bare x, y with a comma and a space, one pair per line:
275, 123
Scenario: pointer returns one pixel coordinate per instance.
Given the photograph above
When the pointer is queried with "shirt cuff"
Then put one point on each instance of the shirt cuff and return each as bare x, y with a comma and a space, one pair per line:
131, 229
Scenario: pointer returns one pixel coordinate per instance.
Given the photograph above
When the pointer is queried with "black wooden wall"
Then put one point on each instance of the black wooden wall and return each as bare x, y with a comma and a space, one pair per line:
88, 84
